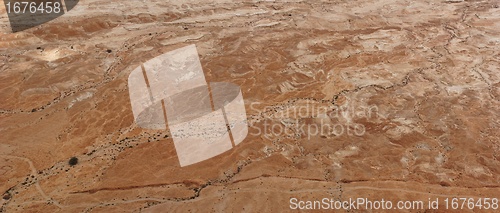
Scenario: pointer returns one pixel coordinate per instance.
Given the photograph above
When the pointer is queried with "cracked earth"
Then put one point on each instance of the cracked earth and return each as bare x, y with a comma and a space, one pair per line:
429, 69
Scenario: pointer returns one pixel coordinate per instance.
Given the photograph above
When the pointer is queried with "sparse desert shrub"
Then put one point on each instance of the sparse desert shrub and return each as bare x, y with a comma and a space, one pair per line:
73, 161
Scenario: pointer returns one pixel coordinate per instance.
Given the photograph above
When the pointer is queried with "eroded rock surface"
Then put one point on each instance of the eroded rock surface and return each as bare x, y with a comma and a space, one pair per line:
413, 84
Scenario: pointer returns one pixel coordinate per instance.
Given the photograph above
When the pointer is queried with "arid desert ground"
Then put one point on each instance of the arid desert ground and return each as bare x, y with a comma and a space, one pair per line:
413, 85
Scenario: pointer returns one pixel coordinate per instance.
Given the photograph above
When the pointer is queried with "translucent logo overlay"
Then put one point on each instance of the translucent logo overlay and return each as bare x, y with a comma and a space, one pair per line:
170, 92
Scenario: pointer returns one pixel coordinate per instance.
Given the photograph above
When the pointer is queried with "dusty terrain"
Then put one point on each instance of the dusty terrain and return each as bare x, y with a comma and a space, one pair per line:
429, 68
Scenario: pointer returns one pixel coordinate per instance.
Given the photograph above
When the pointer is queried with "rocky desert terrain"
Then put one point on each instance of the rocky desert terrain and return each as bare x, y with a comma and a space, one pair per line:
413, 85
